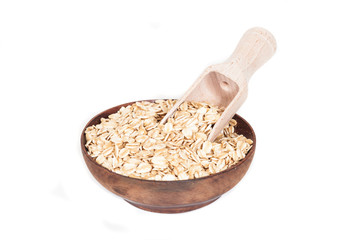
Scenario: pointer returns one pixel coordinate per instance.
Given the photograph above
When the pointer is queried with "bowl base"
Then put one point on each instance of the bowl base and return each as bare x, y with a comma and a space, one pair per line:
174, 209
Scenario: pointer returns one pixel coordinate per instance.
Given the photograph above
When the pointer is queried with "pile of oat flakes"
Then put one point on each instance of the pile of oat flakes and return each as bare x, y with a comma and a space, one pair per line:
131, 142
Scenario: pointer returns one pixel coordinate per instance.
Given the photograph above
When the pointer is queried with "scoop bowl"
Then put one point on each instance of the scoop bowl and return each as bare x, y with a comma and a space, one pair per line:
170, 196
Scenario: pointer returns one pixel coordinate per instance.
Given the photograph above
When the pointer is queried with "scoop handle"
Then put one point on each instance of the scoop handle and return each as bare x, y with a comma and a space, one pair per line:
255, 47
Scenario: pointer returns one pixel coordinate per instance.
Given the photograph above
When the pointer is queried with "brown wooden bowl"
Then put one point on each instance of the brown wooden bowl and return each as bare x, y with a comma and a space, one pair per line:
170, 196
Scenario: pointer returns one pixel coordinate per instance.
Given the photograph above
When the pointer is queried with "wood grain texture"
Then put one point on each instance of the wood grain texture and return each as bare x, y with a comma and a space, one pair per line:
170, 196
226, 84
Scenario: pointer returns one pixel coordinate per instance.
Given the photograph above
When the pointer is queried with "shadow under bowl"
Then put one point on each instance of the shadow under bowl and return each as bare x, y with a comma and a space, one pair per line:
170, 196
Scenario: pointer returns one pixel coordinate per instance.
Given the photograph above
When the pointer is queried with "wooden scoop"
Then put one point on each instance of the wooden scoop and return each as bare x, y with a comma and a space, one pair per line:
226, 84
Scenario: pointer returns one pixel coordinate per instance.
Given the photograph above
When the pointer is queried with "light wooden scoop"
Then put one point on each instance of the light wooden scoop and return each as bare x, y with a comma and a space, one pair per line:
226, 84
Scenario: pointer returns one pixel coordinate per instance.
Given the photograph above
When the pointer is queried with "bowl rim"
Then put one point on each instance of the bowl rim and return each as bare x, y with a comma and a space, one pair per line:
86, 155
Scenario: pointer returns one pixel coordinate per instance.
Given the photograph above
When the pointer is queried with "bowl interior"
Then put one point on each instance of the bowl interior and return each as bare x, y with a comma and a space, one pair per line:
242, 127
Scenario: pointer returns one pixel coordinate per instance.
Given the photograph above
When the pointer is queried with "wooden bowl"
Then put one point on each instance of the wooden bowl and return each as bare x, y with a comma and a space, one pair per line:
170, 196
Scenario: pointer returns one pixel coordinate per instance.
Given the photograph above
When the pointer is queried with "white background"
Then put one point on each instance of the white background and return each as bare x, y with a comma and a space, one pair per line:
62, 62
